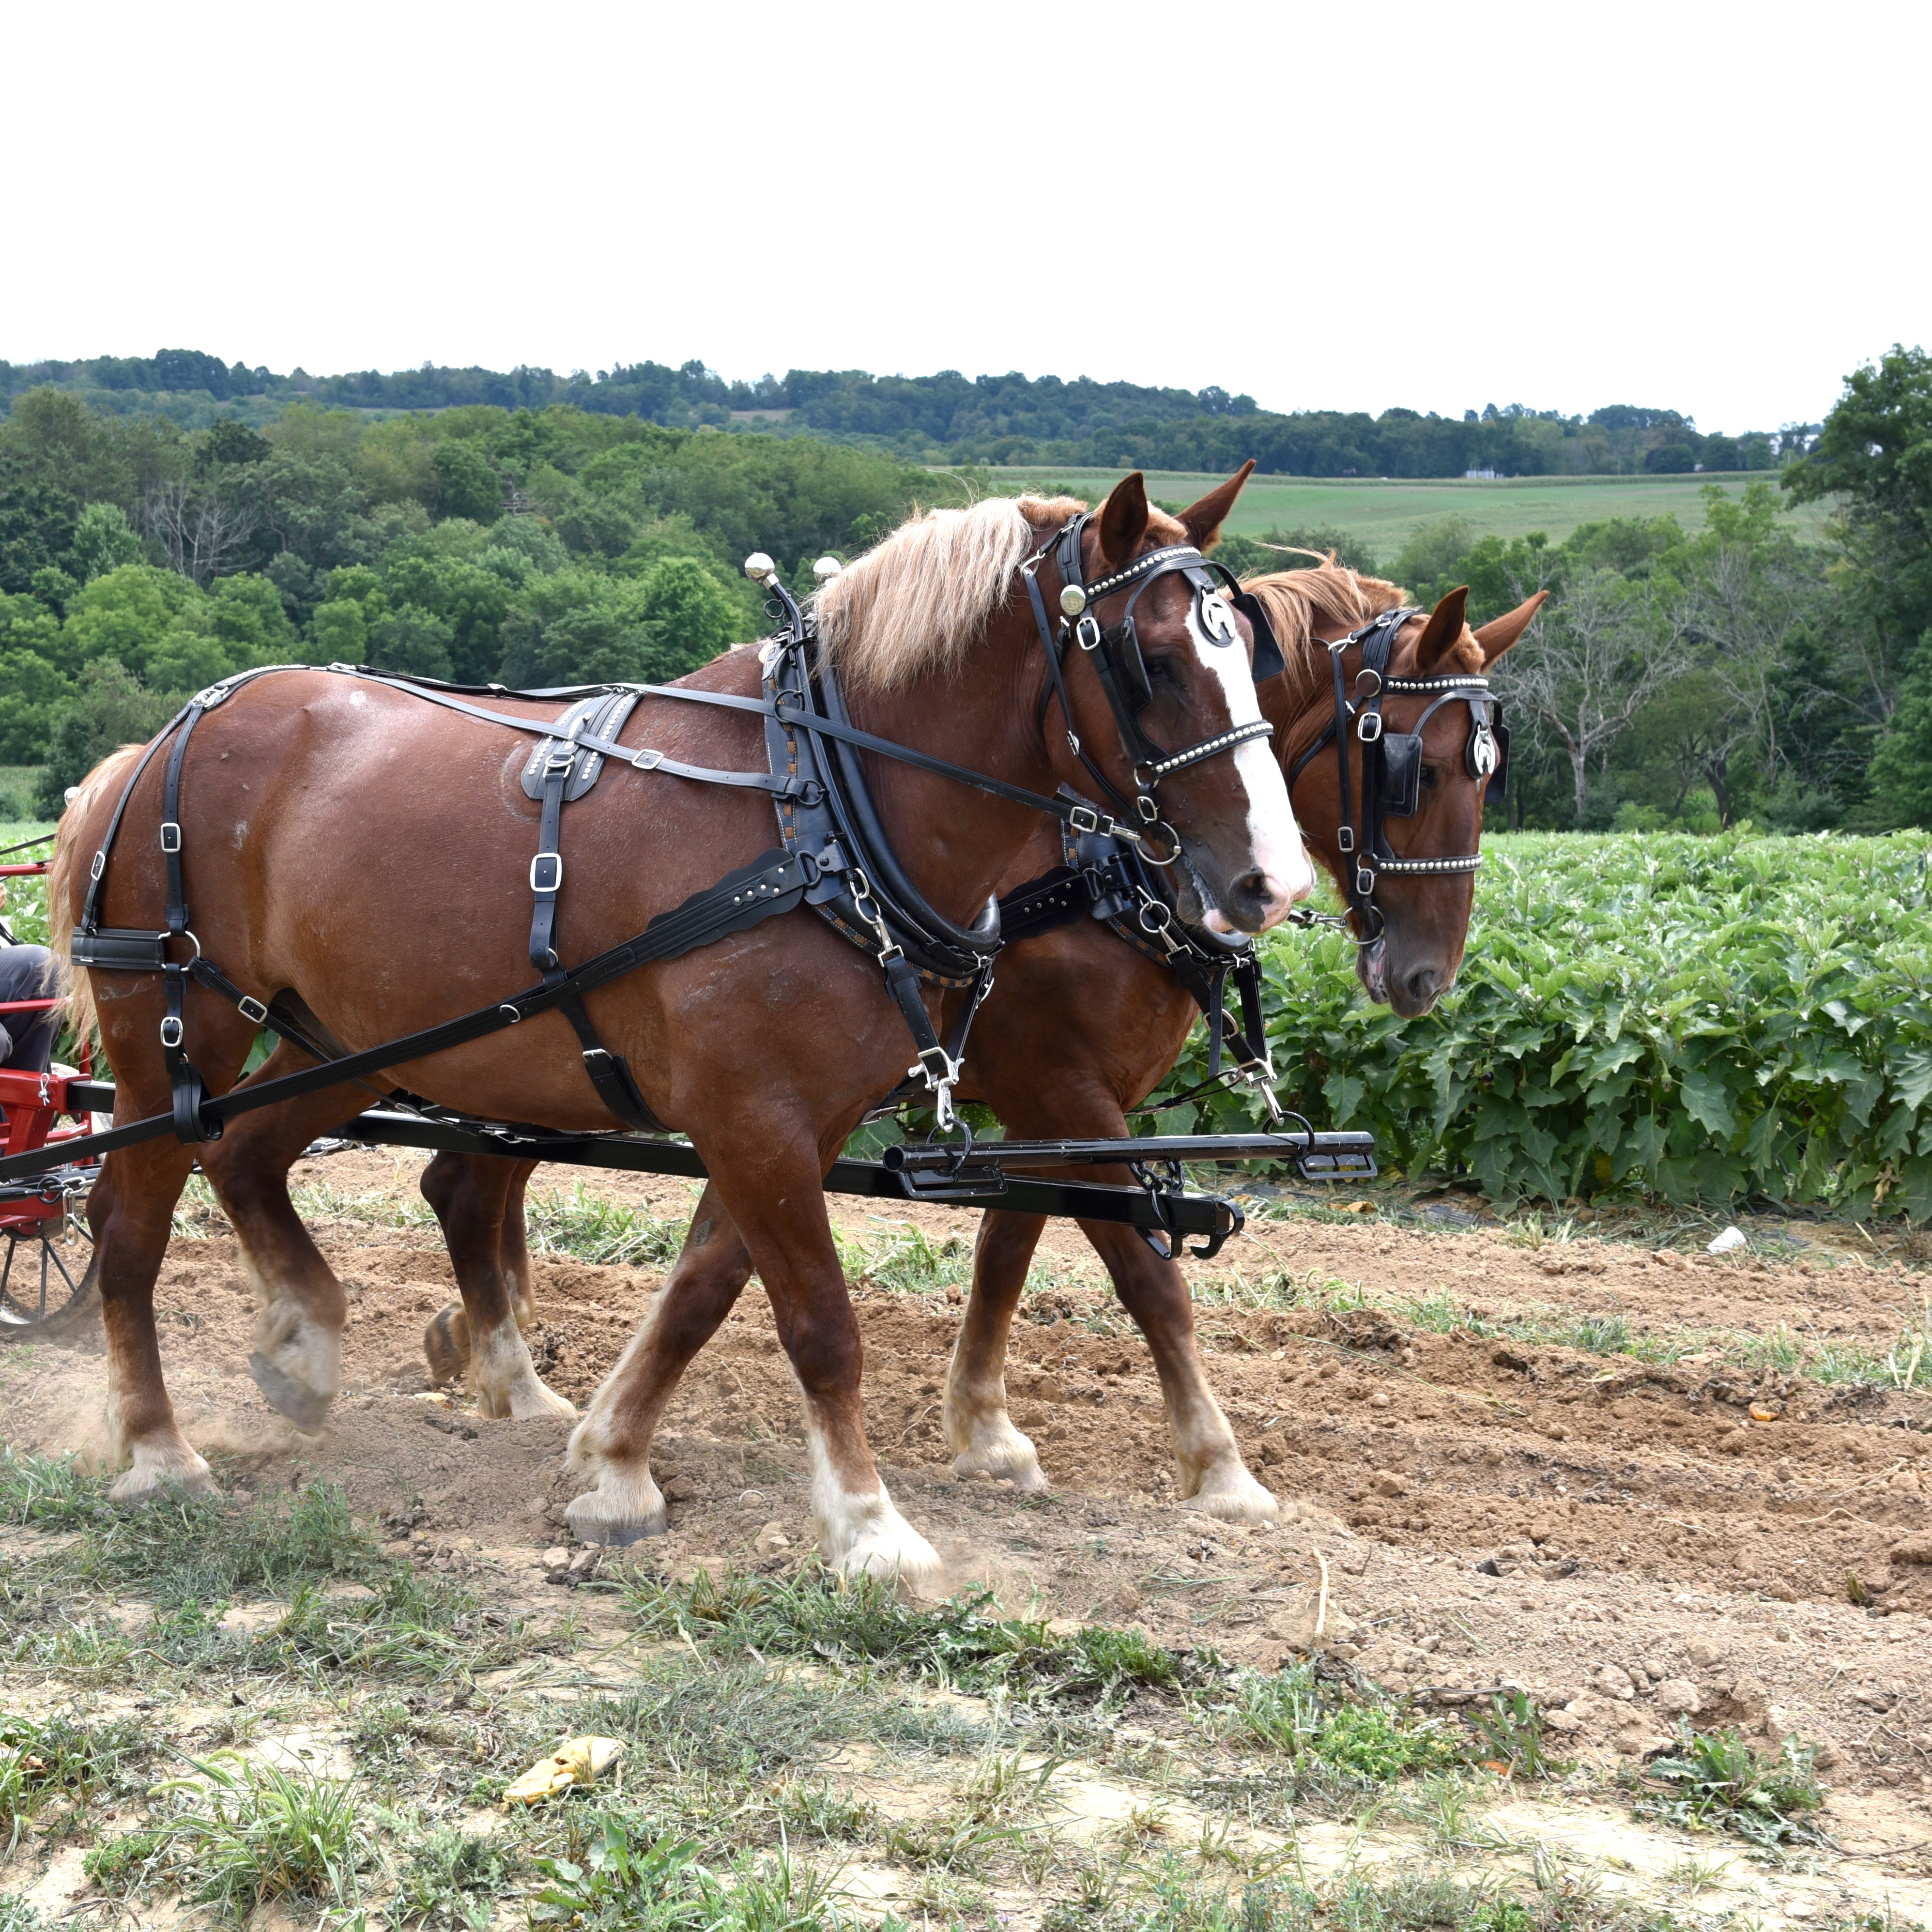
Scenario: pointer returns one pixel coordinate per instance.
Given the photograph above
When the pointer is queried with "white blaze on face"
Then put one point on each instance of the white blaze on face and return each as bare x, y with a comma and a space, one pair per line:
1274, 839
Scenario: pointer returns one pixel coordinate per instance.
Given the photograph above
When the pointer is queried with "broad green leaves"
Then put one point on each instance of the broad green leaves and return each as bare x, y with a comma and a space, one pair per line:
1699, 1018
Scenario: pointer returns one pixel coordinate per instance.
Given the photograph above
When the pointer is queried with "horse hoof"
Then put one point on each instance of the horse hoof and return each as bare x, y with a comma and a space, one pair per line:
446, 1349
296, 1400
1231, 1494
892, 1550
590, 1523
179, 1471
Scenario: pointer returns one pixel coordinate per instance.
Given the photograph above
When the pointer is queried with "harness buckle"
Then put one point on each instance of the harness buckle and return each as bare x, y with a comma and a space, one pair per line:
1362, 724
561, 761
1087, 633
170, 843
648, 761
251, 1009
1148, 806
547, 872
1084, 818
1345, 838
100, 865
1365, 883
171, 1032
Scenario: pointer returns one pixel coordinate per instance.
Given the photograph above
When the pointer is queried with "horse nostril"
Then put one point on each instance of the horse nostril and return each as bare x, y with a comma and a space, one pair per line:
1423, 984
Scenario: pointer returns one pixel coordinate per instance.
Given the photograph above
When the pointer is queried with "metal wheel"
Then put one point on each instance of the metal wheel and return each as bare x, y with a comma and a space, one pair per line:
37, 1286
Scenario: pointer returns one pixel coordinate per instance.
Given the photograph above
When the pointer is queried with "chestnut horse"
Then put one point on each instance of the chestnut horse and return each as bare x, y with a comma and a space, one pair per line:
1078, 1029
359, 857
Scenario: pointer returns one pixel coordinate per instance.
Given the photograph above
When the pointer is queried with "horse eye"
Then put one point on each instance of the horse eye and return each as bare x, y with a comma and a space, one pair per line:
1161, 671
1429, 776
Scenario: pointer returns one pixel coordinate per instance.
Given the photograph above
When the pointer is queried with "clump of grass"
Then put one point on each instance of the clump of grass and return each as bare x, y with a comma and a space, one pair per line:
906, 1261
248, 1833
606, 1233
177, 1550
1328, 1731
964, 1643
1715, 1781
61, 1756
423, 1628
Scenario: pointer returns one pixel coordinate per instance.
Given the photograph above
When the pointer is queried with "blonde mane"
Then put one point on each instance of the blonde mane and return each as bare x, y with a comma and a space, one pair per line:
916, 603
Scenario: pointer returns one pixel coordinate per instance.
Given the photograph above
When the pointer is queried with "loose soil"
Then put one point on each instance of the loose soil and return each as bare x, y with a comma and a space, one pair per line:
1634, 1541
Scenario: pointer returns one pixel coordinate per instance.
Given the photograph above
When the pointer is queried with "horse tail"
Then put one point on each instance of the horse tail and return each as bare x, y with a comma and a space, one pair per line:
65, 871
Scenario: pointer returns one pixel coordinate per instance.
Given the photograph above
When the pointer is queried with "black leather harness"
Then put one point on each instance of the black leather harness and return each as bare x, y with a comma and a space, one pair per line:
1391, 761
835, 856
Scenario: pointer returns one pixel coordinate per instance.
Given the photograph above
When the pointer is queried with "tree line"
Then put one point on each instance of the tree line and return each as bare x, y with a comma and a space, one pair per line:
1679, 678
139, 561
948, 417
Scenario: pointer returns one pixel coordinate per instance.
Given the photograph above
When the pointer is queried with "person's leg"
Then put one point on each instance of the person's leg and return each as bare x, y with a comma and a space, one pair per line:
26, 973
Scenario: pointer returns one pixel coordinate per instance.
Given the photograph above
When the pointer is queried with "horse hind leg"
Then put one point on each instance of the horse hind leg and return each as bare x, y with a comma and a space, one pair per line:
478, 1200
974, 1411
297, 1360
1214, 1478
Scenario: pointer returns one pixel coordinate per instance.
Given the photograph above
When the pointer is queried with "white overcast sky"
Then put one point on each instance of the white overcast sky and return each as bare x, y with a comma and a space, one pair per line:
1720, 208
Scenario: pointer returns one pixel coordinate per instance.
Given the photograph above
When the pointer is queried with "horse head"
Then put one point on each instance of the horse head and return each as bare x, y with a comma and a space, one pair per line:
1160, 649
1439, 758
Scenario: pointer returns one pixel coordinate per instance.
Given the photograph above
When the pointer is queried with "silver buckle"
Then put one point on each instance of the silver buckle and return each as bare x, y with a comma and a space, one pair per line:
648, 761
1087, 633
552, 863
251, 1009
100, 865
1365, 883
1363, 723
171, 1032
1345, 838
1084, 818
170, 844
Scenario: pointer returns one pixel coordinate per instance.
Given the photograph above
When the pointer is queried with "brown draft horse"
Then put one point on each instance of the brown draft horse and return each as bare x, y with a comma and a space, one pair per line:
362, 858
1078, 1029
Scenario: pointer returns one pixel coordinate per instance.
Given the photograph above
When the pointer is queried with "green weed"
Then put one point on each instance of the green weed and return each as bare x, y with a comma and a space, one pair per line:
964, 1642
608, 1233
1715, 1780
62, 1757
1312, 1722
453, 1880
178, 1549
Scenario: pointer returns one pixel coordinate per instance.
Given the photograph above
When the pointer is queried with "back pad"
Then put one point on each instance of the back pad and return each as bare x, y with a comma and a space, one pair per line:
600, 717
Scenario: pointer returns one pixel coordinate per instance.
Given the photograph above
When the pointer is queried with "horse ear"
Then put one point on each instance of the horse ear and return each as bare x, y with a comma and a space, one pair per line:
1203, 520
1123, 520
1499, 633
1445, 626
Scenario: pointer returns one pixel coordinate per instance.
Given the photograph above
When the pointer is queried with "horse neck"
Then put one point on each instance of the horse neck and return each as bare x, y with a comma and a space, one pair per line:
958, 843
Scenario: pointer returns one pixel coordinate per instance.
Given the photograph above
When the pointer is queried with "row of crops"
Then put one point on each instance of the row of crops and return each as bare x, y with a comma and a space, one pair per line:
1700, 1018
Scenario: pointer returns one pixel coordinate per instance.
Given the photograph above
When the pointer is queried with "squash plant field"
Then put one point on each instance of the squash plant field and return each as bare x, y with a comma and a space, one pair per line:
1698, 1018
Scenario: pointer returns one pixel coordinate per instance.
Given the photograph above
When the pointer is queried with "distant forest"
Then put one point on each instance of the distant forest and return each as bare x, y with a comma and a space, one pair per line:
154, 543
949, 418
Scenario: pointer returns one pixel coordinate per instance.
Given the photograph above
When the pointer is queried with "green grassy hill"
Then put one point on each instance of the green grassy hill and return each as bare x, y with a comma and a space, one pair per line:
1385, 515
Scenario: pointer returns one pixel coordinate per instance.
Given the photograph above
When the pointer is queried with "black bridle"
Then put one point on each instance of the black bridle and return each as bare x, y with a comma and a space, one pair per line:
1115, 651
1392, 760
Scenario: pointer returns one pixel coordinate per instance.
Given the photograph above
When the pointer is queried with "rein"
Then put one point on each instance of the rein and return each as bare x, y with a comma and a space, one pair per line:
825, 807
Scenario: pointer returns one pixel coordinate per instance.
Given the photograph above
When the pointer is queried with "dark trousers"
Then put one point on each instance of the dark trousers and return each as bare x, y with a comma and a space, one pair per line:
27, 1040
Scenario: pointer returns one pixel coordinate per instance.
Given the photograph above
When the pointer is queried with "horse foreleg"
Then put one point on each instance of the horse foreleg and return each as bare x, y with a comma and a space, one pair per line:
129, 1213
478, 1199
775, 1199
1213, 1476
613, 1442
974, 1409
